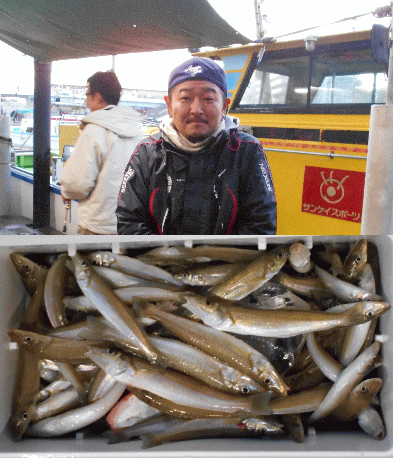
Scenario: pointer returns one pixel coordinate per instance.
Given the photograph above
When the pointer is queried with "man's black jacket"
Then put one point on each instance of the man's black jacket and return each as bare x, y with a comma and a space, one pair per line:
225, 189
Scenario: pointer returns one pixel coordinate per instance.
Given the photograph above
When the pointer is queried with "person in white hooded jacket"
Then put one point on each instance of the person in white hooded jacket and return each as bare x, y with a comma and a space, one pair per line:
93, 173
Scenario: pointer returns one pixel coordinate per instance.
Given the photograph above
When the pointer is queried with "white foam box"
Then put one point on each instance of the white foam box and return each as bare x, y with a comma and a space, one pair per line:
317, 444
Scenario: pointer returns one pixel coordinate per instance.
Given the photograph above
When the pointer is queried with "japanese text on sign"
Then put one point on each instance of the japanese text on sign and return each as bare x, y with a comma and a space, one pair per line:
333, 193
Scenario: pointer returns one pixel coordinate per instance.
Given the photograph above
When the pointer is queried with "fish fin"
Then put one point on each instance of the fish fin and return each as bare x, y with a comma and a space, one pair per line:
159, 364
140, 307
225, 313
95, 326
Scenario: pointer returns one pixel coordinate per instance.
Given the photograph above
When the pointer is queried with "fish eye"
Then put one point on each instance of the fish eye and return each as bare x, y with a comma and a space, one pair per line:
111, 351
370, 314
24, 416
267, 381
83, 263
245, 390
358, 259
27, 340
280, 254
364, 389
25, 268
207, 302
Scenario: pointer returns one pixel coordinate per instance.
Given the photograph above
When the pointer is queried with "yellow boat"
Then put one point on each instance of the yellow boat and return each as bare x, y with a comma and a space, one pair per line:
308, 102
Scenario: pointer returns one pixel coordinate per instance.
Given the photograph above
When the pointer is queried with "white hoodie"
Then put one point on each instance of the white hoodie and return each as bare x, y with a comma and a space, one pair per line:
93, 173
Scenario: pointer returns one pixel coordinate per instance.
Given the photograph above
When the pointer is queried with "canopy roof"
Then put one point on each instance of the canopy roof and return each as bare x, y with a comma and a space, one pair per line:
51, 30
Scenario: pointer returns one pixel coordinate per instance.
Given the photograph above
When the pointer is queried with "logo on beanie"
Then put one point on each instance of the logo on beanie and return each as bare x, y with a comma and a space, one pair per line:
193, 70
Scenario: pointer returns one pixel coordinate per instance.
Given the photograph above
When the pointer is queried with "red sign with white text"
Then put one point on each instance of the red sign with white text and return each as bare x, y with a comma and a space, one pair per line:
334, 193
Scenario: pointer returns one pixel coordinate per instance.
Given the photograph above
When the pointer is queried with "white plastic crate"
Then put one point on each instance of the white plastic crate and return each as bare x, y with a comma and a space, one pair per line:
318, 445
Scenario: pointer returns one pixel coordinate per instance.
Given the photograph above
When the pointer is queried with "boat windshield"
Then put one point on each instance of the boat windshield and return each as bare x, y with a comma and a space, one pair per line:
343, 74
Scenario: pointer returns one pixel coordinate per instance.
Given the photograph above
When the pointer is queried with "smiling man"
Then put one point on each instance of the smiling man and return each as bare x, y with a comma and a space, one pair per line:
200, 174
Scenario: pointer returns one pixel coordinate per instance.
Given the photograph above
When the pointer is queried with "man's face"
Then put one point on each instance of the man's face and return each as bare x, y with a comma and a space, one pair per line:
94, 101
196, 108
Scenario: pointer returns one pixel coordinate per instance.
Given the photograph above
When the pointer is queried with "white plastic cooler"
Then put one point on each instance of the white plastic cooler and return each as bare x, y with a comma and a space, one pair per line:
319, 445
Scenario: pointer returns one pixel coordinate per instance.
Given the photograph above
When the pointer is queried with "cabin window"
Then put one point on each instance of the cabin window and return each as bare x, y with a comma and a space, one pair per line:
341, 77
283, 81
350, 77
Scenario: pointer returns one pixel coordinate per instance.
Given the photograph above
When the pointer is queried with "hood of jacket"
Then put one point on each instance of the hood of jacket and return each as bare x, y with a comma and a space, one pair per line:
123, 121
231, 123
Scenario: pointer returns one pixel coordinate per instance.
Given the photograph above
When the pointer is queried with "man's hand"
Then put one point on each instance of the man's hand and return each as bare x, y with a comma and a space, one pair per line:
66, 201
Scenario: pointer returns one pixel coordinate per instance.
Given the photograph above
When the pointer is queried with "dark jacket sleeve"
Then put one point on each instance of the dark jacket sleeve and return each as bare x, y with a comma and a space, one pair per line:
133, 202
257, 199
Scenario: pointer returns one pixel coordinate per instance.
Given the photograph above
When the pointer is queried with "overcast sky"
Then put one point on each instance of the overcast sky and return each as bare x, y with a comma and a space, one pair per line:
282, 17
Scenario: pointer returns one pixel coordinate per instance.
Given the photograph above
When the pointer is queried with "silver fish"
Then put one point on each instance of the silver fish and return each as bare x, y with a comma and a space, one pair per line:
367, 279
198, 364
253, 276
353, 341
221, 345
127, 294
54, 292
100, 385
25, 393
134, 267
280, 322
343, 290
111, 307
117, 279
53, 388
57, 403
330, 367
31, 273
346, 382
358, 400
208, 275
355, 261
173, 385
78, 418
273, 296
155, 423
211, 428
180, 255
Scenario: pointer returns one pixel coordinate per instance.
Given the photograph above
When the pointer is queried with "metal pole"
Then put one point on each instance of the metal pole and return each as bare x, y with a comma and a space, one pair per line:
377, 213
389, 93
41, 142
258, 18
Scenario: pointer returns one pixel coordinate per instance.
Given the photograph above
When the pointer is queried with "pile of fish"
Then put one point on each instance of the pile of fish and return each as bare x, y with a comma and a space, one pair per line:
211, 341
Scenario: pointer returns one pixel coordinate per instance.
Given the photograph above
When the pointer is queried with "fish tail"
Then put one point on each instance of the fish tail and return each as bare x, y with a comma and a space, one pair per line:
150, 440
116, 436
